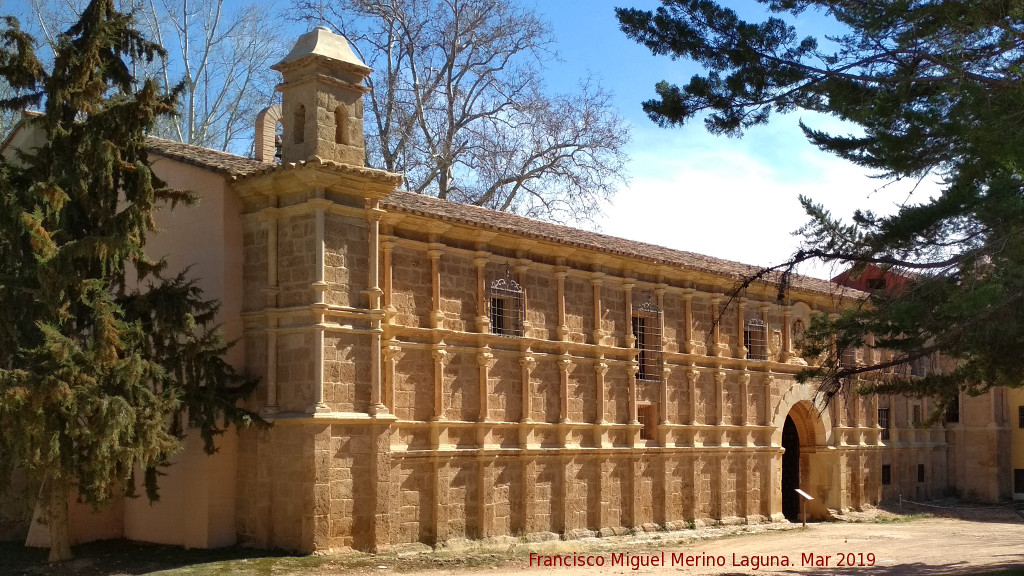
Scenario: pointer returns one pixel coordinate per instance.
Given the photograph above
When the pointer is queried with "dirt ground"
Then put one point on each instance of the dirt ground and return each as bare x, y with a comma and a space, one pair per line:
969, 540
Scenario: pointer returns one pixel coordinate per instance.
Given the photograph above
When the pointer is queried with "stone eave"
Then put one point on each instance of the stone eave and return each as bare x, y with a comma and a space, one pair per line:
516, 232
317, 172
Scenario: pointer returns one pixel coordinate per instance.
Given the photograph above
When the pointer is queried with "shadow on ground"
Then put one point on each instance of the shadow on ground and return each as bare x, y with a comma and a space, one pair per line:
118, 557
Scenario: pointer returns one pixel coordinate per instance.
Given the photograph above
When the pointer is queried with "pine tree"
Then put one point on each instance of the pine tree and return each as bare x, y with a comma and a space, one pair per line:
105, 361
937, 89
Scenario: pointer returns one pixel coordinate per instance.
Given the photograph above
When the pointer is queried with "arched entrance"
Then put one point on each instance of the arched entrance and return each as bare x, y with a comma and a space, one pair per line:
790, 470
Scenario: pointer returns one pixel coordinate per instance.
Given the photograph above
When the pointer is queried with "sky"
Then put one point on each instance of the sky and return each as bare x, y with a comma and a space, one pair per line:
732, 198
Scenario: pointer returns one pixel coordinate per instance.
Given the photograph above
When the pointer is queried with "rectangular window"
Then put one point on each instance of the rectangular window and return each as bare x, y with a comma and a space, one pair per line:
505, 303
1018, 481
883, 422
886, 474
916, 414
920, 472
848, 358
755, 340
919, 367
1020, 416
498, 315
647, 416
953, 410
646, 331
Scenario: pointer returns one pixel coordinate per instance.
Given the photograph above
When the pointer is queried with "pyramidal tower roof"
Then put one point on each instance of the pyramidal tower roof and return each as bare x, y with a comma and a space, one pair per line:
326, 44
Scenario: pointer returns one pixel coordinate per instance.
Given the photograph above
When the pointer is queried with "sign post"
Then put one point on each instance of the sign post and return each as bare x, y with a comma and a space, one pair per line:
804, 498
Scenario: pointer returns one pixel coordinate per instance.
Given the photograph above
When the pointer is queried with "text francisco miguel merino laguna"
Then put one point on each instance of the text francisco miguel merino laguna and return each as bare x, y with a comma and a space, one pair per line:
662, 560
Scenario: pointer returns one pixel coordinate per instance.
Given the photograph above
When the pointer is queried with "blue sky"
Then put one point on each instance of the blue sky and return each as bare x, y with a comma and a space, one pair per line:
733, 198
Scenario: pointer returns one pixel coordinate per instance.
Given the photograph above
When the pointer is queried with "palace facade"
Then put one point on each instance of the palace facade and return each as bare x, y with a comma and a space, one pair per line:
436, 371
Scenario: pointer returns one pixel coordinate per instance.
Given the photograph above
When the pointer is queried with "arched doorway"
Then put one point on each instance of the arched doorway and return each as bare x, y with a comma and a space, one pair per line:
790, 470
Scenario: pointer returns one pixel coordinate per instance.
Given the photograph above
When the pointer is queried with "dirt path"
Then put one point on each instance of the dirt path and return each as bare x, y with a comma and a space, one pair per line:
925, 547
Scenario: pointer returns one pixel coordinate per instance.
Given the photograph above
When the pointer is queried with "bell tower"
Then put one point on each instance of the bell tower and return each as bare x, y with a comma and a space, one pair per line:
322, 100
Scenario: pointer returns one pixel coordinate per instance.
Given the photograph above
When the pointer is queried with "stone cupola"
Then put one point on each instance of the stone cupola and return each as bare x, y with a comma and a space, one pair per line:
322, 100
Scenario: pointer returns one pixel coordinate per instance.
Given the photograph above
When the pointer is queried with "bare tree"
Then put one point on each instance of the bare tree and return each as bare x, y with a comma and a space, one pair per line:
220, 52
458, 105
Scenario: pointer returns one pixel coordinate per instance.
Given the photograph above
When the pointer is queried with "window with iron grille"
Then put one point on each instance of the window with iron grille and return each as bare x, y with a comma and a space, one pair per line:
953, 410
883, 422
920, 472
755, 339
1018, 481
647, 332
886, 474
647, 416
1020, 416
919, 367
505, 307
915, 412
848, 357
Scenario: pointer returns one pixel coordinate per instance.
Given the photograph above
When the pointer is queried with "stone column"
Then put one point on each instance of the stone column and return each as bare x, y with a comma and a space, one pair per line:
634, 368
270, 302
744, 397
563, 328
319, 307
483, 322
374, 294
741, 345
595, 281
565, 365
716, 328
691, 408
485, 360
787, 334
527, 362
391, 354
719, 398
436, 314
388, 247
688, 344
600, 369
441, 359
522, 265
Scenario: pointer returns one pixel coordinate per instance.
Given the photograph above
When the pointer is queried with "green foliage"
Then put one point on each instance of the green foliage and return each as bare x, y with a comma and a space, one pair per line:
936, 88
103, 358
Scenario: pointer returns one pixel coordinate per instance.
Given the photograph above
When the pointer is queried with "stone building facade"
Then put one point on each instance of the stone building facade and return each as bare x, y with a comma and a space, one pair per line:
436, 371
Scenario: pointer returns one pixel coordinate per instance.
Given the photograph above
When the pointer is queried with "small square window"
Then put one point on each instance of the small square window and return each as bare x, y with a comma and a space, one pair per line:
886, 474
920, 472
647, 416
883, 422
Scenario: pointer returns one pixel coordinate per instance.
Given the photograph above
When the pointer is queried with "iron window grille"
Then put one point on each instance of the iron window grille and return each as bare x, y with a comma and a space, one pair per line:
883, 422
755, 340
886, 474
647, 334
848, 357
1020, 416
505, 307
919, 367
953, 410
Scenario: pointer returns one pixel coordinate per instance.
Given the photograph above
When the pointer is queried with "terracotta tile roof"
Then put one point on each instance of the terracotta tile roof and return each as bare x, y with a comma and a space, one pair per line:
222, 162
463, 213
240, 167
